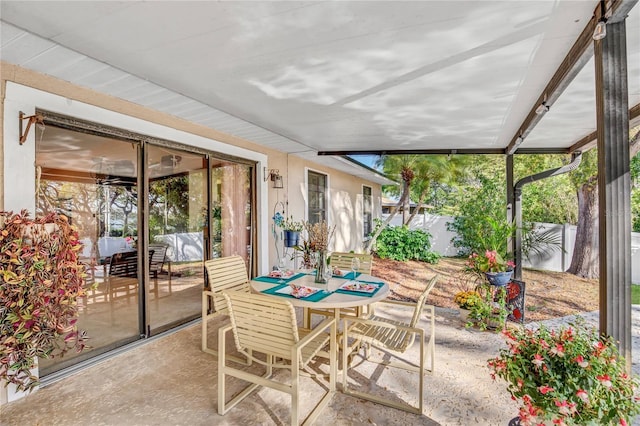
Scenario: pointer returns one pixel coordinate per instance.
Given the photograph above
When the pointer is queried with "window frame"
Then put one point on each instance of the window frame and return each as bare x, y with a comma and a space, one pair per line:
309, 211
367, 221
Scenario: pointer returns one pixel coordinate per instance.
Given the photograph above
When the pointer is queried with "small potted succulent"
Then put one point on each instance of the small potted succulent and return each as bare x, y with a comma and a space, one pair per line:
41, 280
569, 376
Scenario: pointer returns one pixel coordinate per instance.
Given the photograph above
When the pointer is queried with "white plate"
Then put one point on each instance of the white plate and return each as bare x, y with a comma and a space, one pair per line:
288, 290
358, 286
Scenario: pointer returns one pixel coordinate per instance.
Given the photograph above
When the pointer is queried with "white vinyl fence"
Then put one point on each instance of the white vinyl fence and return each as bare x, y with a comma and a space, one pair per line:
556, 260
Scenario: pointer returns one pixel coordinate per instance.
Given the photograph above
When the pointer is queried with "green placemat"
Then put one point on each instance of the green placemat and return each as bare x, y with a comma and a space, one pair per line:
274, 280
319, 295
378, 284
349, 276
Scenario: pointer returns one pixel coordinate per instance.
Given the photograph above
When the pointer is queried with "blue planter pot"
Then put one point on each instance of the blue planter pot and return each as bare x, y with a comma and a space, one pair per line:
499, 279
291, 238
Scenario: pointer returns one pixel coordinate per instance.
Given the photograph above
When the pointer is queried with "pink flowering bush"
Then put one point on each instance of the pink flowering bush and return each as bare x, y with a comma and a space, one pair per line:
572, 376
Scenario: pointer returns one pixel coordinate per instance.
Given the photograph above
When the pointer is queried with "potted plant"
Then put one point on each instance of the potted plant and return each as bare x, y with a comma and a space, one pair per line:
467, 300
490, 310
491, 265
292, 229
571, 376
41, 280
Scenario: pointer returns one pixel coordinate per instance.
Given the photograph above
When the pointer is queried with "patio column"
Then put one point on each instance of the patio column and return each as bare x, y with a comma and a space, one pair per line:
614, 186
512, 244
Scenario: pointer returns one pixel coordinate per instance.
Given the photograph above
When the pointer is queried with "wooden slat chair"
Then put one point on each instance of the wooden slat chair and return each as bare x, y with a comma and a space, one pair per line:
123, 275
393, 338
158, 260
224, 273
342, 261
266, 325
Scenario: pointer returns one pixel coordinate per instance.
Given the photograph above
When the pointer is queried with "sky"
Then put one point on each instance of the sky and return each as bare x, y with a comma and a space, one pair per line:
367, 160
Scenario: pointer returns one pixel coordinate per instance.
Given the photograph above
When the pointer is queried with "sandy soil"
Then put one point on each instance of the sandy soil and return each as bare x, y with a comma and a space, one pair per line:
548, 294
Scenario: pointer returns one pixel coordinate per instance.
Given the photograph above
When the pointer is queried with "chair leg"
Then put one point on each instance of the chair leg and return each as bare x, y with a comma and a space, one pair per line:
205, 333
224, 406
205, 308
221, 373
377, 399
295, 386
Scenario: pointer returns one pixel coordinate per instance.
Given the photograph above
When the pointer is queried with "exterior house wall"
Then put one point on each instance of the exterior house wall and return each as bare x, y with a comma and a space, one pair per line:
344, 203
25, 90
63, 97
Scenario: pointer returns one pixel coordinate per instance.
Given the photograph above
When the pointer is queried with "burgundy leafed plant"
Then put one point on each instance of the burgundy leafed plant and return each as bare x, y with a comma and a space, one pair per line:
41, 280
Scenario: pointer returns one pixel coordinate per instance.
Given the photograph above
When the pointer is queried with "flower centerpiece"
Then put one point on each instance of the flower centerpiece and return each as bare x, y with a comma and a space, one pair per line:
492, 265
319, 236
572, 376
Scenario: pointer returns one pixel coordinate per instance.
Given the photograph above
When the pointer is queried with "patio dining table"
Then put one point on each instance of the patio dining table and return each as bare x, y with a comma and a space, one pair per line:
330, 296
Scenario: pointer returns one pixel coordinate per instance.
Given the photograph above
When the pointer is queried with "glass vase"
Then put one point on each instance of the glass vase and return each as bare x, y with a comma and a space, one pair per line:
322, 268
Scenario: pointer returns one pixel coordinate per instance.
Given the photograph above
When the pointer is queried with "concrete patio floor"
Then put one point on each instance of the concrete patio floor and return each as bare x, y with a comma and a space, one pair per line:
170, 381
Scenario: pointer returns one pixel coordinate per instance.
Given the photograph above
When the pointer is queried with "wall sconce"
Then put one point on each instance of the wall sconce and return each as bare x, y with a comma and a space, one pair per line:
275, 177
36, 118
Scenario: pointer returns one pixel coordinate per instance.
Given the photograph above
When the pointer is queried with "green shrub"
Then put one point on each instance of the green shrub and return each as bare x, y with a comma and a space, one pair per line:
401, 243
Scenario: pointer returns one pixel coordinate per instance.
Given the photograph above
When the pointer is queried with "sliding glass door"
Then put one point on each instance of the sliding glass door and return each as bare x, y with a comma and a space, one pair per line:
93, 181
177, 229
148, 214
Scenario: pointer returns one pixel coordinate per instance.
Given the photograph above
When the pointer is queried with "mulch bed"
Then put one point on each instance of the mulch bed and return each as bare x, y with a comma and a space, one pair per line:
548, 294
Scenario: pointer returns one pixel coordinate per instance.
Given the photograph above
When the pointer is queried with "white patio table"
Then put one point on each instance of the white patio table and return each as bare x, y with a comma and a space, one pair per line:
335, 300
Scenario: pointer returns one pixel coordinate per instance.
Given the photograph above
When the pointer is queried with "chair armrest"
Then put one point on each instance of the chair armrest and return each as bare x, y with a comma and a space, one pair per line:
380, 324
225, 328
316, 331
397, 302
401, 303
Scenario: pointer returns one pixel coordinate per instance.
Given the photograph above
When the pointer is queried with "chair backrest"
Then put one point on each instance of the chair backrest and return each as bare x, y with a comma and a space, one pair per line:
343, 261
421, 301
226, 274
158, 257
124, 264
262, 323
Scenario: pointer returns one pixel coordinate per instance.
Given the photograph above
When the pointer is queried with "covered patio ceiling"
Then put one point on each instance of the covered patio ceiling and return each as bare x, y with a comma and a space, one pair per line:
307, 77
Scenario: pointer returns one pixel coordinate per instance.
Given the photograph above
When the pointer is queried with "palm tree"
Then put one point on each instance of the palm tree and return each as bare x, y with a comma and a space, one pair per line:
395, 166
417, 174
431, 169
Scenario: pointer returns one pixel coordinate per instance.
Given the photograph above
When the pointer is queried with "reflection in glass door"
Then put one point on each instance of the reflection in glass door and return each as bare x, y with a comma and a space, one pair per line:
100, 183
177, 223
96, 188
231, 210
